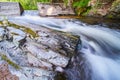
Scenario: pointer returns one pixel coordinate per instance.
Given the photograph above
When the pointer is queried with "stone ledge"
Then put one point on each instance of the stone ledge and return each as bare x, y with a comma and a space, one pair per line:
10, 9
54, 9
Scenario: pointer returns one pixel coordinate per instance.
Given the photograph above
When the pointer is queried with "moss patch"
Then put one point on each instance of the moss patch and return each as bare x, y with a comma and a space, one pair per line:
71, 36
23, 28
4, 57
116, 6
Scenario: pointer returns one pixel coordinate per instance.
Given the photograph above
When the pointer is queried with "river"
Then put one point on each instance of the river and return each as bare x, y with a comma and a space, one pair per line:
98, 53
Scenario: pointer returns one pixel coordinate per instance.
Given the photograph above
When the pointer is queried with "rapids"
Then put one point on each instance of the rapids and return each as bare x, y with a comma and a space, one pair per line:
98, 57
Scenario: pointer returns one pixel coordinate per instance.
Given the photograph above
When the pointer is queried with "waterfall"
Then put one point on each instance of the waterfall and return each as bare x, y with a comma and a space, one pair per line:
100, 58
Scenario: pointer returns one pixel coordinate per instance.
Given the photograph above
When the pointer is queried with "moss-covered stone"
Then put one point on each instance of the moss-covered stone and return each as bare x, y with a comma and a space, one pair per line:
104, 8
116, 6
115, 9
4, 57
29, 31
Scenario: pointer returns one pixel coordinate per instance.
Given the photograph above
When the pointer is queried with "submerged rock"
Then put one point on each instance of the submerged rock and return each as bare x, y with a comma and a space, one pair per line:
38, 51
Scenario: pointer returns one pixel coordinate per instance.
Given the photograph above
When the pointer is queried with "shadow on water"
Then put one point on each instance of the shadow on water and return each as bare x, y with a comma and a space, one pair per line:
111, 23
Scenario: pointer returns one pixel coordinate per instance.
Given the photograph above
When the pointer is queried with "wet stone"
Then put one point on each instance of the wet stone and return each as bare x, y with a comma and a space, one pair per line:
5, 74
39, 57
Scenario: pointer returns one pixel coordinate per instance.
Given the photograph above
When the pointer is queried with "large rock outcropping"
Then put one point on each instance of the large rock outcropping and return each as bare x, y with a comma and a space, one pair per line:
104, 8
54, 9
34, 52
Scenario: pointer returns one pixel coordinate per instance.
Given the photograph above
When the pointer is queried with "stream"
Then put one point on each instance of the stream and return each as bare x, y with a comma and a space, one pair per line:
97, 55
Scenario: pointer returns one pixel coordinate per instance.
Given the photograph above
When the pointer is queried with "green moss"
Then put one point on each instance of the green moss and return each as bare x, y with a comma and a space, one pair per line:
110, 16
25, 29
0, 22
31, 32
86, 12
4, 57
116, 3
70, 36
116, 7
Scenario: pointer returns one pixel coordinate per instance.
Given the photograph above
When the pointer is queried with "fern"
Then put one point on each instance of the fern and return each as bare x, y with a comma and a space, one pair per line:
81, 3
81, 6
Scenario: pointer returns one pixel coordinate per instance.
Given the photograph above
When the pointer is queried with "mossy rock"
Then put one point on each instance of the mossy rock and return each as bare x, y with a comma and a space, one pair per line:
116, 6
114, 10
4, 57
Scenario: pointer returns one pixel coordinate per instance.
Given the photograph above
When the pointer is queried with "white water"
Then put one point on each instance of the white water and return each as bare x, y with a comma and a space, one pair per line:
101, 46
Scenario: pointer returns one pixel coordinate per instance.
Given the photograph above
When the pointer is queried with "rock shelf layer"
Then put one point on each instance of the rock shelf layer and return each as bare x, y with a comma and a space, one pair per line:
39, 52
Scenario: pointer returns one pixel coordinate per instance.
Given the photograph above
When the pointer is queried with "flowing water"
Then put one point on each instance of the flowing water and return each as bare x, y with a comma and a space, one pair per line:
98, 53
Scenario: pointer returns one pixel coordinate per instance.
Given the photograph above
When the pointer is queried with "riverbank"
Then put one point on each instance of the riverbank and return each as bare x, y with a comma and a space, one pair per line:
104, 8
93, 8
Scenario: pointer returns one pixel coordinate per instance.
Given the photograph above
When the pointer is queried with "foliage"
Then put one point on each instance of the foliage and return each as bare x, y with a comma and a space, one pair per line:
81, 6
81, 3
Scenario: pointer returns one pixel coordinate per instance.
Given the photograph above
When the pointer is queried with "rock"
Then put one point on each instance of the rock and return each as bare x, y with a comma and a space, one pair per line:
34, 61
54, 9
16, 34
59, 69
104, 8
40, 52
28, 73
48, 55
5, 74
99, 8
116, 6
10, 8
114, 10
1, 33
